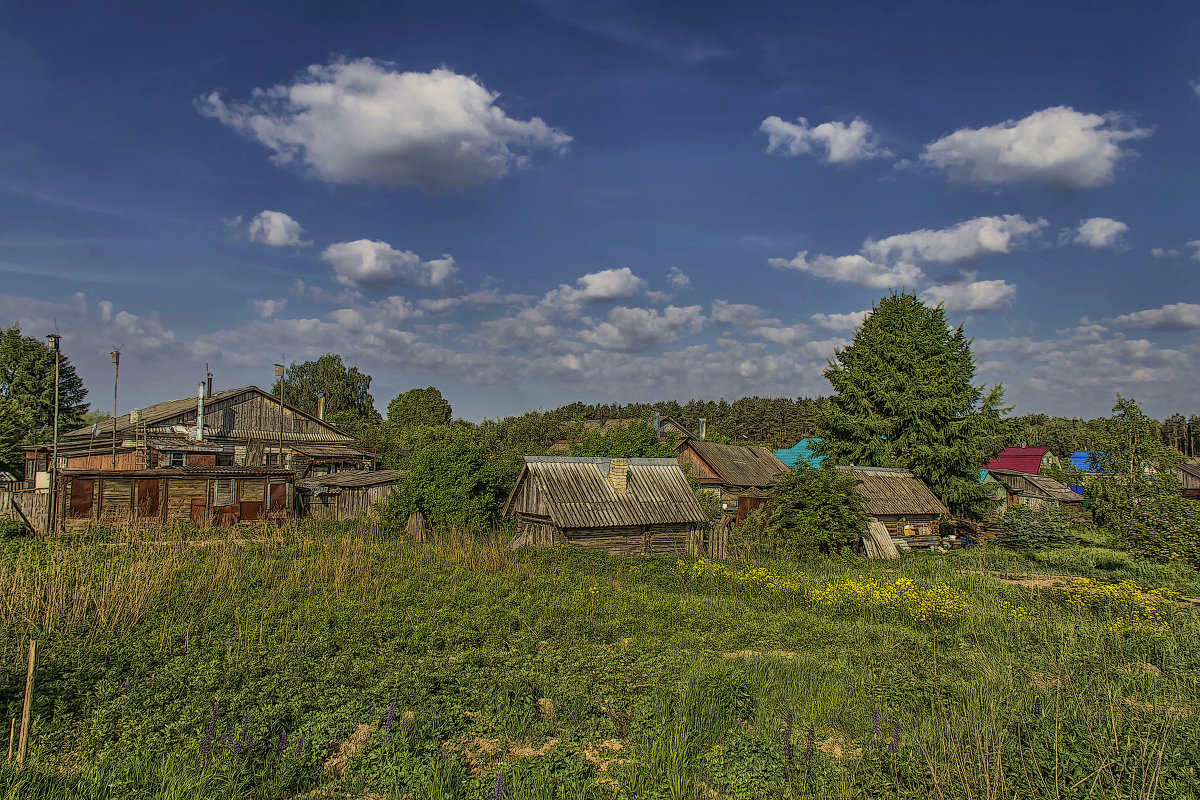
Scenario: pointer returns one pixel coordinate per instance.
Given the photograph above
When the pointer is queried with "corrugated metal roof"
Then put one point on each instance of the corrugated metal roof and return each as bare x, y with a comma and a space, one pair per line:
577, 494
1044, 484
317, 450
1022, 459
801, 451
184, 472
740, 466
886, 490
351, 478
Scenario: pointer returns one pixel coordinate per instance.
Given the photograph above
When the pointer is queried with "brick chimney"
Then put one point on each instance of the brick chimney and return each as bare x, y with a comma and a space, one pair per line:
618, 474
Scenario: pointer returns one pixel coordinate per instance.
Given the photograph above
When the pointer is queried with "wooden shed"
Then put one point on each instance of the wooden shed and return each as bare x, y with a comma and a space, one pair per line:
743, 476
1035, 491
902, 502
205, 495
635, 506
344, 495
1189, 480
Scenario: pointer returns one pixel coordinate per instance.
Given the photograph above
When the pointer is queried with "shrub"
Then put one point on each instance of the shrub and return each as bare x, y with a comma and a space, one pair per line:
817, 510
1023, 528
10, 528
1165, 528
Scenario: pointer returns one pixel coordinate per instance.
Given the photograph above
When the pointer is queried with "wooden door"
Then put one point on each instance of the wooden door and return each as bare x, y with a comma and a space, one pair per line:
748, 504
199, 507
83, 495
277, 498
148, 498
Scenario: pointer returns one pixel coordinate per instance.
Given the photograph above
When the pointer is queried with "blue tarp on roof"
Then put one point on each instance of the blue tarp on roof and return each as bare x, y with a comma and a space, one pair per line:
803, 449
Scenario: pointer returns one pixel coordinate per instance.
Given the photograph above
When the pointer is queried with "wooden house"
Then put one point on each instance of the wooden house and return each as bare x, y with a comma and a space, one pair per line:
902, 503
1013, 488
635, 506
1030, 460
242, 427
205, 495
344, 495
1189, 480
743, 477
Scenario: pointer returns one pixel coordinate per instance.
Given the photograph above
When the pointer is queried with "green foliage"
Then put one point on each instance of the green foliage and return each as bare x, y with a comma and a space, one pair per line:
453, 476
347, 391
817, 510
637, 440
904, 397
1164, 528
27, 386
10, 528
418, 407
1023, 528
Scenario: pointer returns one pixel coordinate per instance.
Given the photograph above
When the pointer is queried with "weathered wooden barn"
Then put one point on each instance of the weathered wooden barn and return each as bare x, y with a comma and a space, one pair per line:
1189, 480
744, 477
205, 495
1013, 488
344, 495
635, 506
242, 427
902, 502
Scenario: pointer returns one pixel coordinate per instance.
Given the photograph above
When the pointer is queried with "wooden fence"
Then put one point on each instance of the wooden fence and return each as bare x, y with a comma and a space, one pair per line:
31, 508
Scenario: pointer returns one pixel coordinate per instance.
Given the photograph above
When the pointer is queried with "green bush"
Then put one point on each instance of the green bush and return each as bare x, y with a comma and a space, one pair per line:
1166, 528
10, 528
817, 511
1023, 528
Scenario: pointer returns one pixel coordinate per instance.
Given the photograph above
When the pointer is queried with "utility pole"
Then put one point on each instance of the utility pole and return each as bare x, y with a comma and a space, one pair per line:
279, 375
116, 359
53, 339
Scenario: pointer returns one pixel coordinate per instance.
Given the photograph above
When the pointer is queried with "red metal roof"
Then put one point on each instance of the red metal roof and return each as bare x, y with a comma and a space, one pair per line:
1021, 459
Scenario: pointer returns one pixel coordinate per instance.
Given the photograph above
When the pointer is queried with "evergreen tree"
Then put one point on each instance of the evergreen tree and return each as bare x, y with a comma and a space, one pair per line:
904, 397
27, 380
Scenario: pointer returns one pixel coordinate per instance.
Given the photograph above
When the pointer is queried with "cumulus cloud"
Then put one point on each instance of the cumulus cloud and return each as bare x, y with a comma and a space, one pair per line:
364, 121
971, 295
634, 330
483, 297
596, 287
268, 308
1059, 146
367, 263
273, 228
840, 322
678, 279
1159, 252
838, 142
1195, 245
1098, 232
854, 269
963, 242
1173, 317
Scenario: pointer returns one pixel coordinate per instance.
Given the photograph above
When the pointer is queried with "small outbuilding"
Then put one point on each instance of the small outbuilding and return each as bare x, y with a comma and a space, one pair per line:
1015, 488
205, 495
344, 495
743, 476
635, 506
902, 503
1189, 480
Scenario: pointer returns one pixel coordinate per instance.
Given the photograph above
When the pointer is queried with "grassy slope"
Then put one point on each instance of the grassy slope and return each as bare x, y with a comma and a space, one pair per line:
689, 670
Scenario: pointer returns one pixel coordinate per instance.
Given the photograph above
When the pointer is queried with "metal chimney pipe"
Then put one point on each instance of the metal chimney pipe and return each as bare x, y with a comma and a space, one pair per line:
703, 427
208, 389
200, 413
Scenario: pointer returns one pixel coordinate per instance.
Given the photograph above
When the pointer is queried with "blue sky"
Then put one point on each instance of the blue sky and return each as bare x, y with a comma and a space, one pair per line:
530, 203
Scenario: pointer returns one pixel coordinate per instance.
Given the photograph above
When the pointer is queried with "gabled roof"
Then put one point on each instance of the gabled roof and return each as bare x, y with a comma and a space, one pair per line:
737, 465
1022, 459
886, 490
801, 451
1043, 484
166, 410
1190, 469
354, 478
575, 492
666, 424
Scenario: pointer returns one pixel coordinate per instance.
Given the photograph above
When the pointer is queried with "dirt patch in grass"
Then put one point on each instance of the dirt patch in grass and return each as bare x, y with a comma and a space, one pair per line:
344, 751
598, 754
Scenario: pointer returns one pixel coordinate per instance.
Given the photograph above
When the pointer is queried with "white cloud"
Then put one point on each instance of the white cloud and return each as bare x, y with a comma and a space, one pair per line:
373, 263
596, 287
963, 242
854, 269
483, 297
743, 315
269, 308
1173, 317
1058, 146
363, 121
1195, 245
678, 279
1099, 232
840, 143
840, 322
634, 330
276, 229
971, 295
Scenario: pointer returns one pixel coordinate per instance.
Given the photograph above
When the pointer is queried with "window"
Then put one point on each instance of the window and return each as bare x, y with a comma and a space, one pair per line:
224, 459
175, 458
223, 492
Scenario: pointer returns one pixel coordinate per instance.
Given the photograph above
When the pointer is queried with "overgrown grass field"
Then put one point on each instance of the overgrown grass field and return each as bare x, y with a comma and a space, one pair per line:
334, 660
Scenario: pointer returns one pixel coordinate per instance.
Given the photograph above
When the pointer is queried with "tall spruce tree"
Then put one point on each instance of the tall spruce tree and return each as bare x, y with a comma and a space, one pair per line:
27, 383
904, 397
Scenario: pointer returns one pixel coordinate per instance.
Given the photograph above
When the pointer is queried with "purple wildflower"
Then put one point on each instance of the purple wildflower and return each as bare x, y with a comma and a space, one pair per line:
1037, 706
787, 737
299, 743
245, 725
391, 717
404, 722
875, 726
237, 748
206, 740
250, 744
107, 658
127, 684
808, 751
500, 786
282, 742
894, 747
